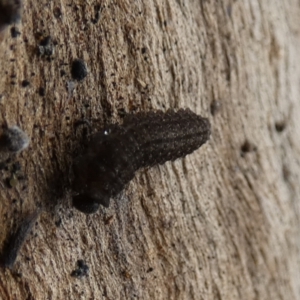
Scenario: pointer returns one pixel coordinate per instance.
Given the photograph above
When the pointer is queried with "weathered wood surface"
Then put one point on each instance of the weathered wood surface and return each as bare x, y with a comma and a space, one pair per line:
223, 223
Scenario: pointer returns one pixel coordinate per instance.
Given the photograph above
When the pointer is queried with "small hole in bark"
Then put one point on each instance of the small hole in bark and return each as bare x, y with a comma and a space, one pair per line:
280, 126
25, 83
247, 147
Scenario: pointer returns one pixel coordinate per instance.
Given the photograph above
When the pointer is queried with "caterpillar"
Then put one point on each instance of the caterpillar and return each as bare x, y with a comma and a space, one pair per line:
143, 140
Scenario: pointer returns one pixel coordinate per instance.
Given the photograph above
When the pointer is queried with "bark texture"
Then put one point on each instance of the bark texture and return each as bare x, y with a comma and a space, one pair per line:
223, 223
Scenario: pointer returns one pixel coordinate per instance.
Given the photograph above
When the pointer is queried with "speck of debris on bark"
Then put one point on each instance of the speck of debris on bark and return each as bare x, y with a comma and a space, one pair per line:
58, 222
97, 14
25, 83
42, 92
70, 87
57, 12
12, 182
109, 220
247, 147
46, 47
280, 126
82, 269
79, 70
13, 139
16, 167
150, 270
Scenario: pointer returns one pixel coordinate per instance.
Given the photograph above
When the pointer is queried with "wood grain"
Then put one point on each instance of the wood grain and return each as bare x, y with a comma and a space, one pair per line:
220, 224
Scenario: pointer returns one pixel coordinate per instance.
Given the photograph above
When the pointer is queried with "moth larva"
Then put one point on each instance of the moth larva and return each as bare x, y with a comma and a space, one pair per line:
118, 151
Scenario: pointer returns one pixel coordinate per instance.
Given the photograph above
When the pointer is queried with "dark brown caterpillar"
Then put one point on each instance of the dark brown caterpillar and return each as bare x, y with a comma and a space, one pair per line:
118, 151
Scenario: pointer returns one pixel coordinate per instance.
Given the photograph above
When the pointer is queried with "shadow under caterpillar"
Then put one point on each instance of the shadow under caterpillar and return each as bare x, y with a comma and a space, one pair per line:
143, 140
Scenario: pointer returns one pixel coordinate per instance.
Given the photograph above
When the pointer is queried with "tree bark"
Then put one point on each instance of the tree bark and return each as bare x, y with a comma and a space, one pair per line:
222, 223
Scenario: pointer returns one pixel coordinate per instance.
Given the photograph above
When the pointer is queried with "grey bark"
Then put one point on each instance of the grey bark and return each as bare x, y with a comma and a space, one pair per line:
223, 223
